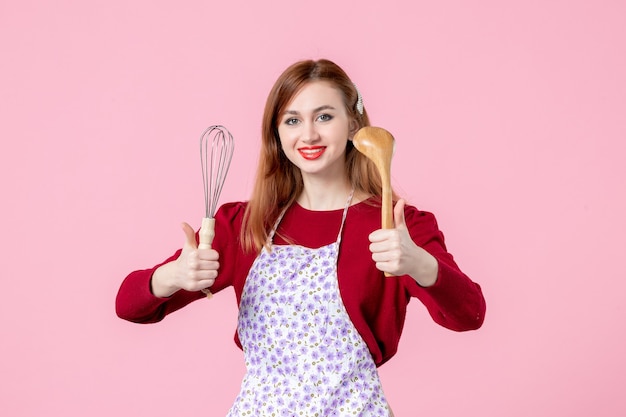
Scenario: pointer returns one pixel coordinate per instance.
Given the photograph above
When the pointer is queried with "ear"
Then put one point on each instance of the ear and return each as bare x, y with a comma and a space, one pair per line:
354, 127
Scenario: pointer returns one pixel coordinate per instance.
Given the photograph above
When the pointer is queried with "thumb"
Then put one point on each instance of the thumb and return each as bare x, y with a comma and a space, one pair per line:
190, 236
398, 214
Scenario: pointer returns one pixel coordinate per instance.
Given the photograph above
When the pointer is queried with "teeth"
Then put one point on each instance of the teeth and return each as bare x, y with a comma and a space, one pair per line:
311, 151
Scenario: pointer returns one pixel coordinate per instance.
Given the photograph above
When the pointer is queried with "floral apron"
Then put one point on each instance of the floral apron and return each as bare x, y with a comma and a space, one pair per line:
303, 355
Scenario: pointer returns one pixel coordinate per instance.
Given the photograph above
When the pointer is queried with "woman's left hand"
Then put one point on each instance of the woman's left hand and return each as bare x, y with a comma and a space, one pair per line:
394, 252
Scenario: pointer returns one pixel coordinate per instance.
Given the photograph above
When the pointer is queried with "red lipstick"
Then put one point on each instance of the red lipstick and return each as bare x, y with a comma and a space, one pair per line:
312, 152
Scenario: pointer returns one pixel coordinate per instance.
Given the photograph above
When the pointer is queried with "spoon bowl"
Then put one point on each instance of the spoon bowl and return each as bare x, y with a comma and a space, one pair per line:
377, 144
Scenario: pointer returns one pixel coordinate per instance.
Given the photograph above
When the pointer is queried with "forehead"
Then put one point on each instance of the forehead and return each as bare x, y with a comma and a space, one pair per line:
314, 94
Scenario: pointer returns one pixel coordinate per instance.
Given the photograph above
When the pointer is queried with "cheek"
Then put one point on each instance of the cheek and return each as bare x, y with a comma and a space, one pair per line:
339, 134
281, 141
286, 137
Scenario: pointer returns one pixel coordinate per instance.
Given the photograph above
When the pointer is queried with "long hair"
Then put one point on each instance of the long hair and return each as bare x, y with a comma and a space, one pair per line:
278, 182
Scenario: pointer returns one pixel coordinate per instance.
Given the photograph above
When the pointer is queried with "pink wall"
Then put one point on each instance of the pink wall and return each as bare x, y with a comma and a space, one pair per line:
510, 123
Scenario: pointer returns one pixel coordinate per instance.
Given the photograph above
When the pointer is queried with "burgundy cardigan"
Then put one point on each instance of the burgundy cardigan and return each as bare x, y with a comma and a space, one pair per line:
376, 304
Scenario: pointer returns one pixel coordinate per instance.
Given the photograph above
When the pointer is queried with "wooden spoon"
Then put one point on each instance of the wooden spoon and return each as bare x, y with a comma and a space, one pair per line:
378, 144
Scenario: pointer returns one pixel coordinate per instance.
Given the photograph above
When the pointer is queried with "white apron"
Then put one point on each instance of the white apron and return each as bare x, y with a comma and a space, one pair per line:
303, 355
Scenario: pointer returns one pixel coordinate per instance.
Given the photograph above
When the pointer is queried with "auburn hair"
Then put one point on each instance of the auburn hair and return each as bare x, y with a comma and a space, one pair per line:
278, 182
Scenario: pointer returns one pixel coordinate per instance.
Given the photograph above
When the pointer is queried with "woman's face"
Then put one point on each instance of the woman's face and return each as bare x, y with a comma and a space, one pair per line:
314, 131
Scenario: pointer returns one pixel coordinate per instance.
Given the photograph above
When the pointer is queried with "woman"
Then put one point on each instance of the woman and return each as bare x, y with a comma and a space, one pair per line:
306, 258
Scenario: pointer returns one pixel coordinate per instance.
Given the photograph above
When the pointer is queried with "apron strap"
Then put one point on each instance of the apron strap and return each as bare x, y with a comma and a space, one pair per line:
345, 213
270, 237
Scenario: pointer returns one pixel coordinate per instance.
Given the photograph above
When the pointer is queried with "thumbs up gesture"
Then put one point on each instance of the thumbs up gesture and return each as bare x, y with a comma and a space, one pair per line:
193, 270
394, 251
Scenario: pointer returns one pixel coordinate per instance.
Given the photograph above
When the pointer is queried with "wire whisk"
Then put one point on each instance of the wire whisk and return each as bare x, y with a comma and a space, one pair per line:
216, 152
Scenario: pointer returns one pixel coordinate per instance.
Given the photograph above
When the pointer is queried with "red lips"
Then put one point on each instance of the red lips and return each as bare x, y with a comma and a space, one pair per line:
311, 153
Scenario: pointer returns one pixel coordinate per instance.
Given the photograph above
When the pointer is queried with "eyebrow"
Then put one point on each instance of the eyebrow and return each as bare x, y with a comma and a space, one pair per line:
316, 110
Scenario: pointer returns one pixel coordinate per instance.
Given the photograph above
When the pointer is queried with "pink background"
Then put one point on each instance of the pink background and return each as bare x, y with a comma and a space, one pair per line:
510, 120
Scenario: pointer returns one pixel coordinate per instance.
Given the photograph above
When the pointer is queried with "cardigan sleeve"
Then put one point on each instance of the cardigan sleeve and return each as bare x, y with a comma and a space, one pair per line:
454, 301
135, 301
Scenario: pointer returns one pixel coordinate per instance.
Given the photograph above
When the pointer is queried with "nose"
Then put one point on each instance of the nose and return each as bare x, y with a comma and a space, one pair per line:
310, 133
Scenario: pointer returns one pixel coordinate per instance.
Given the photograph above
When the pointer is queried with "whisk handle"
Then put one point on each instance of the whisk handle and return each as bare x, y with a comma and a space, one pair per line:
206, 235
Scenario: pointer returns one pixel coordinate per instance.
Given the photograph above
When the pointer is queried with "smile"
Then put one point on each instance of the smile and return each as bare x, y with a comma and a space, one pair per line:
312, 153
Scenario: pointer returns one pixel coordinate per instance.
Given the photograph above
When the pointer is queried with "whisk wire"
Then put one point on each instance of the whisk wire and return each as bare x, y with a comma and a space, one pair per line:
216, 152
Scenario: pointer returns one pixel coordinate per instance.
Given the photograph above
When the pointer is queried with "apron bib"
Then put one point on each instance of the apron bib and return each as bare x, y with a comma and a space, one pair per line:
303, 355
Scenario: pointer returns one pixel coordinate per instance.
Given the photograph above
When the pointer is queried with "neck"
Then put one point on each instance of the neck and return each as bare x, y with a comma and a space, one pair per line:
324, 195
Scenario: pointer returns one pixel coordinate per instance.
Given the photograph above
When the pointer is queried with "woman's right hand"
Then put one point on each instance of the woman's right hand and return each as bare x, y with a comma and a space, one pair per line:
194, 269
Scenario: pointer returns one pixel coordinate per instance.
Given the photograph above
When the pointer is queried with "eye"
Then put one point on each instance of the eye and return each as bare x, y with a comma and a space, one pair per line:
324, 117
291, 121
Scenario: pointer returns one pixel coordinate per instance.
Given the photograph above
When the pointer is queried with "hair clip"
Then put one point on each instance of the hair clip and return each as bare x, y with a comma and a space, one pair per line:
359, 100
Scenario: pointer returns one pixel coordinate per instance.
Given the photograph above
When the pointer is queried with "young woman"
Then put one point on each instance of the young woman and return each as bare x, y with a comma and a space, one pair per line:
306, 257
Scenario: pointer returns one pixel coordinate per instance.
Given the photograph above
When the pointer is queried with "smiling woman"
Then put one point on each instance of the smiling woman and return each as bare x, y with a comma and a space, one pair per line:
306, 258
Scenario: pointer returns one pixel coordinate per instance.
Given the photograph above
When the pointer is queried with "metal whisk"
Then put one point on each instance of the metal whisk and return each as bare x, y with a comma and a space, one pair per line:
216, 151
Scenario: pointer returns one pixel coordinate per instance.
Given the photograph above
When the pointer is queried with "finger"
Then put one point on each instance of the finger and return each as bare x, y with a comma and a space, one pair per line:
202, 276
381, 257
190, 236
206, 283
380, 235
204, 265
398, 214
208, 255
199, 284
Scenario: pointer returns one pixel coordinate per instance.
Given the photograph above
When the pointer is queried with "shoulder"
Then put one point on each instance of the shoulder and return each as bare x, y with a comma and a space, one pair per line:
228, 223
370, 208
422, 225
231, 211
229, 217
414, 215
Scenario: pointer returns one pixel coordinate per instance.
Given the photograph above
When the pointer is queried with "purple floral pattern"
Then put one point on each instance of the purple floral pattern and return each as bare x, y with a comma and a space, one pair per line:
304, 357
